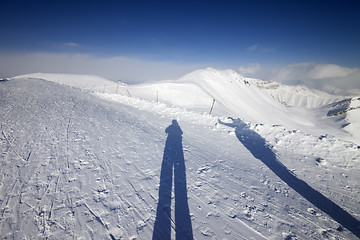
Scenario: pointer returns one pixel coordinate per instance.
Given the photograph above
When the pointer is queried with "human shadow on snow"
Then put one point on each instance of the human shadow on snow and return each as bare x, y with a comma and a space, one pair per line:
173, 159
262, 151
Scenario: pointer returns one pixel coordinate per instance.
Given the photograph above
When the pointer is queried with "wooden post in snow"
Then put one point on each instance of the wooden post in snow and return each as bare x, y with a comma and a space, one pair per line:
212, 106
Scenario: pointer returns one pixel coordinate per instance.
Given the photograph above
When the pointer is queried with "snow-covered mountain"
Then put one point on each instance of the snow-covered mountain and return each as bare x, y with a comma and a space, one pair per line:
295, 96
252, 100
94, 159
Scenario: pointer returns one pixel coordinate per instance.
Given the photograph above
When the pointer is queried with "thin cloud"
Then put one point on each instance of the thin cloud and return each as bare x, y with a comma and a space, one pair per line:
314, 72
250, 70
268, 50
323, 71
261, 49
252, 48
126, 69
71, 44
326, 77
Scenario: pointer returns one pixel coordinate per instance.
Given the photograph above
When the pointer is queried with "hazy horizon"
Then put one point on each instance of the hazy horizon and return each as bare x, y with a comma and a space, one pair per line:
290, 42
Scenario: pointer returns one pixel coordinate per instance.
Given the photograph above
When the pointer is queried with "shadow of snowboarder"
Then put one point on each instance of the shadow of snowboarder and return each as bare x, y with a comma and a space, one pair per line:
262, 151
173, 159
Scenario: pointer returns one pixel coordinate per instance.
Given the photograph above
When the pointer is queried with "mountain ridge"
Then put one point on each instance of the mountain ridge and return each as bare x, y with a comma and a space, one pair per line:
254, 100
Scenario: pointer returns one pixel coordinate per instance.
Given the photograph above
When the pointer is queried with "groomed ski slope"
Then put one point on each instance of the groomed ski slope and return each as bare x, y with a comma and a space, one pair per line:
76, 165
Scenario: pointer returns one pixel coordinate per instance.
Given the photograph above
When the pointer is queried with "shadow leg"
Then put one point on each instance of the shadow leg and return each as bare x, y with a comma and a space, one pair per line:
182, 213
162, 227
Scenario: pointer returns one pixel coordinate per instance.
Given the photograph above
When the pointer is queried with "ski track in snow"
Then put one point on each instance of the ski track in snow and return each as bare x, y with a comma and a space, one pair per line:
75, 166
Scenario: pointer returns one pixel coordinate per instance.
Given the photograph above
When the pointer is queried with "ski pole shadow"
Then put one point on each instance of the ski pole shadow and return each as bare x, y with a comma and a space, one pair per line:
262, 151
173, 159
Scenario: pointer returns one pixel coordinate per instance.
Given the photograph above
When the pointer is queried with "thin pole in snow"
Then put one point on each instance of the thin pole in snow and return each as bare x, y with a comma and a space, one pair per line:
157, 95
128, 93
212, 106
117, 87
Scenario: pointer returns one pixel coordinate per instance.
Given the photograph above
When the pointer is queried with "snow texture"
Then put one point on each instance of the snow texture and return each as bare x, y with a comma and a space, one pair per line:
93, 159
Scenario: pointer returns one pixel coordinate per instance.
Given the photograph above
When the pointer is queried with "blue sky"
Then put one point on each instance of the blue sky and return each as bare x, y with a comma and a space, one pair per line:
224, 34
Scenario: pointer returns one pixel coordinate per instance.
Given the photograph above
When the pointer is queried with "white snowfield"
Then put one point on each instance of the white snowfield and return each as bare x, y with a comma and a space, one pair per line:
87, 158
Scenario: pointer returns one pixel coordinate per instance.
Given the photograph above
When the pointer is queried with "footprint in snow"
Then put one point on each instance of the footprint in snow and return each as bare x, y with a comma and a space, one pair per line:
203, 170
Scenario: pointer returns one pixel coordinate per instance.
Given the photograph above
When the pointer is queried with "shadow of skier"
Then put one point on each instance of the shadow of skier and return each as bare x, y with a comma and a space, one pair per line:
173, 159
262, 151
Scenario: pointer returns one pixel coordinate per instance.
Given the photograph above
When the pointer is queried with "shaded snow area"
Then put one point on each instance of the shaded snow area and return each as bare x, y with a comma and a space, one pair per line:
92, 159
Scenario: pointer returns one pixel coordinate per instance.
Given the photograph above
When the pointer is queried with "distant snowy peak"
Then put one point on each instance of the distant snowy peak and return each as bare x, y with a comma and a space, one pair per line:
295, 96
212, 76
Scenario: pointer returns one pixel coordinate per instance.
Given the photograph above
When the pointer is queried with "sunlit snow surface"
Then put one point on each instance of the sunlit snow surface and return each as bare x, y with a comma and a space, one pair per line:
86, 164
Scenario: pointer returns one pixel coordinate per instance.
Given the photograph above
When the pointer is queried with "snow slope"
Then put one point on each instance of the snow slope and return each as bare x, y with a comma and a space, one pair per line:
88, 82
77, 164
249, 99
